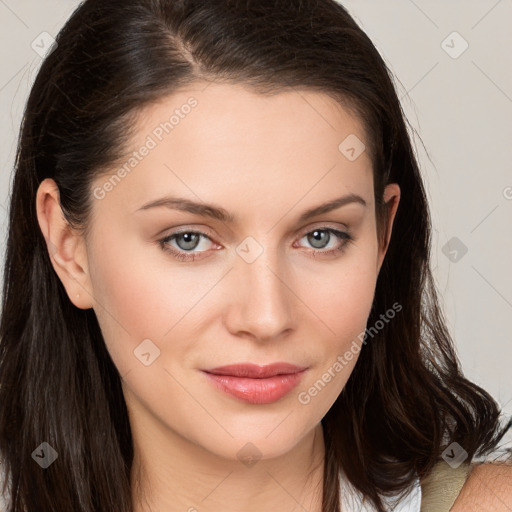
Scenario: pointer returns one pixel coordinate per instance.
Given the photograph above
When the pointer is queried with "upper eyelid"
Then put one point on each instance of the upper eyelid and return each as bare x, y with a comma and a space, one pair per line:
302, 232
322, 227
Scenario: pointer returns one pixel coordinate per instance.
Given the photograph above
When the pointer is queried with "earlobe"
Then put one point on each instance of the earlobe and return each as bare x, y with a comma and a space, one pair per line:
66, 246
391, 199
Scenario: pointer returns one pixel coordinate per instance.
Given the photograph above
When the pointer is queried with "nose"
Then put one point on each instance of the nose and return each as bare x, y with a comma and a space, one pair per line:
263, 302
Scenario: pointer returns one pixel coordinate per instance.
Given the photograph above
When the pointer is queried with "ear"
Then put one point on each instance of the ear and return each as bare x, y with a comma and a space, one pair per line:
391, 199
66, 246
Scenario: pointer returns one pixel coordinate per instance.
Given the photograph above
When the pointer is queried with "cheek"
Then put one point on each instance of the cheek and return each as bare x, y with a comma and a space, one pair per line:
140, 294
343, 304
342, 298
342, 294
134, 298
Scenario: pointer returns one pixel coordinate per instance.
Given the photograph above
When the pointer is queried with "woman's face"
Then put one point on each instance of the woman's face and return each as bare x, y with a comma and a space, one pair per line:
250, 289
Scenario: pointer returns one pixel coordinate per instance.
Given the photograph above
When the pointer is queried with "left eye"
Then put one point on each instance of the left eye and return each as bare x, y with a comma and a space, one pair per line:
318, 238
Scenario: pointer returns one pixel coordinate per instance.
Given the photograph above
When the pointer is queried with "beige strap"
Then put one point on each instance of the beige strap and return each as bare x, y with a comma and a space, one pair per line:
440, 488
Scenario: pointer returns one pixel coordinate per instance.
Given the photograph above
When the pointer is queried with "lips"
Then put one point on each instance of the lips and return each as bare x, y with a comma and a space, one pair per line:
253, 371
256, 384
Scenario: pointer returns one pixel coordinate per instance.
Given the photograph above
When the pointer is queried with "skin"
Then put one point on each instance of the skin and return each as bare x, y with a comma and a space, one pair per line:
489, 488
264, 159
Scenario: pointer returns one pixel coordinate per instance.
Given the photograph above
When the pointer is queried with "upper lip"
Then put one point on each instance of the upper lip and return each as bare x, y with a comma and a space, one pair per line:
254, 371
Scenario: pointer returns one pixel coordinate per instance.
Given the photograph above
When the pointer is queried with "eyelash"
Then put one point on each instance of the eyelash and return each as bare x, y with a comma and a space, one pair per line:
190, 256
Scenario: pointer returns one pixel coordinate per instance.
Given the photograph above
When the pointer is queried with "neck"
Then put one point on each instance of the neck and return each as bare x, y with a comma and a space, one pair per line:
171, 474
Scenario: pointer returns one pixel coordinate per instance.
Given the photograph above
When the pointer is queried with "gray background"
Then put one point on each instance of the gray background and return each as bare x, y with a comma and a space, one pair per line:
461, 107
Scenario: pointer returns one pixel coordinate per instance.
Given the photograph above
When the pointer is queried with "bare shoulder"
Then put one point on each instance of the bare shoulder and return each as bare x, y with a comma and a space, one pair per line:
488, 487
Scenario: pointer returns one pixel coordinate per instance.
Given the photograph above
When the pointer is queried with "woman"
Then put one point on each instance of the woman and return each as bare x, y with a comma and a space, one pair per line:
217, 286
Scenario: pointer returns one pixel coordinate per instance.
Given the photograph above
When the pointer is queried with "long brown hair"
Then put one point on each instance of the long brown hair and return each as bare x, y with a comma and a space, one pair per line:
406, 399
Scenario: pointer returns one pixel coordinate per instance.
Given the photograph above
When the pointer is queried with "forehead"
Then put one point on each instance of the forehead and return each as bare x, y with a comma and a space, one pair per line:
232, 112
219, 142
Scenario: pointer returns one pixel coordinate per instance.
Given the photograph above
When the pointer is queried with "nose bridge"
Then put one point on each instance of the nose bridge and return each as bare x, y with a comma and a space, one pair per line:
265, 307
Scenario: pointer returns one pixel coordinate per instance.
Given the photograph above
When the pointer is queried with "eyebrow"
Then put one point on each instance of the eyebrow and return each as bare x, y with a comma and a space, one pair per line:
219, 213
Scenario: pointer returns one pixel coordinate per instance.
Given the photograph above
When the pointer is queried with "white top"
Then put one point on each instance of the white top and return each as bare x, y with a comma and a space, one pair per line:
352, 499
3, 499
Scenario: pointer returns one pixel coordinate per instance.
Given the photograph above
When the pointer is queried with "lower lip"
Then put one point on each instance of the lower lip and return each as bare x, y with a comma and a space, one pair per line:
256, 391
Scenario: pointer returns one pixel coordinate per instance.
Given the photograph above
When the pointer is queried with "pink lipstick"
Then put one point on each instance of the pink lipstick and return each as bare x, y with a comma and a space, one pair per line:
256, 384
